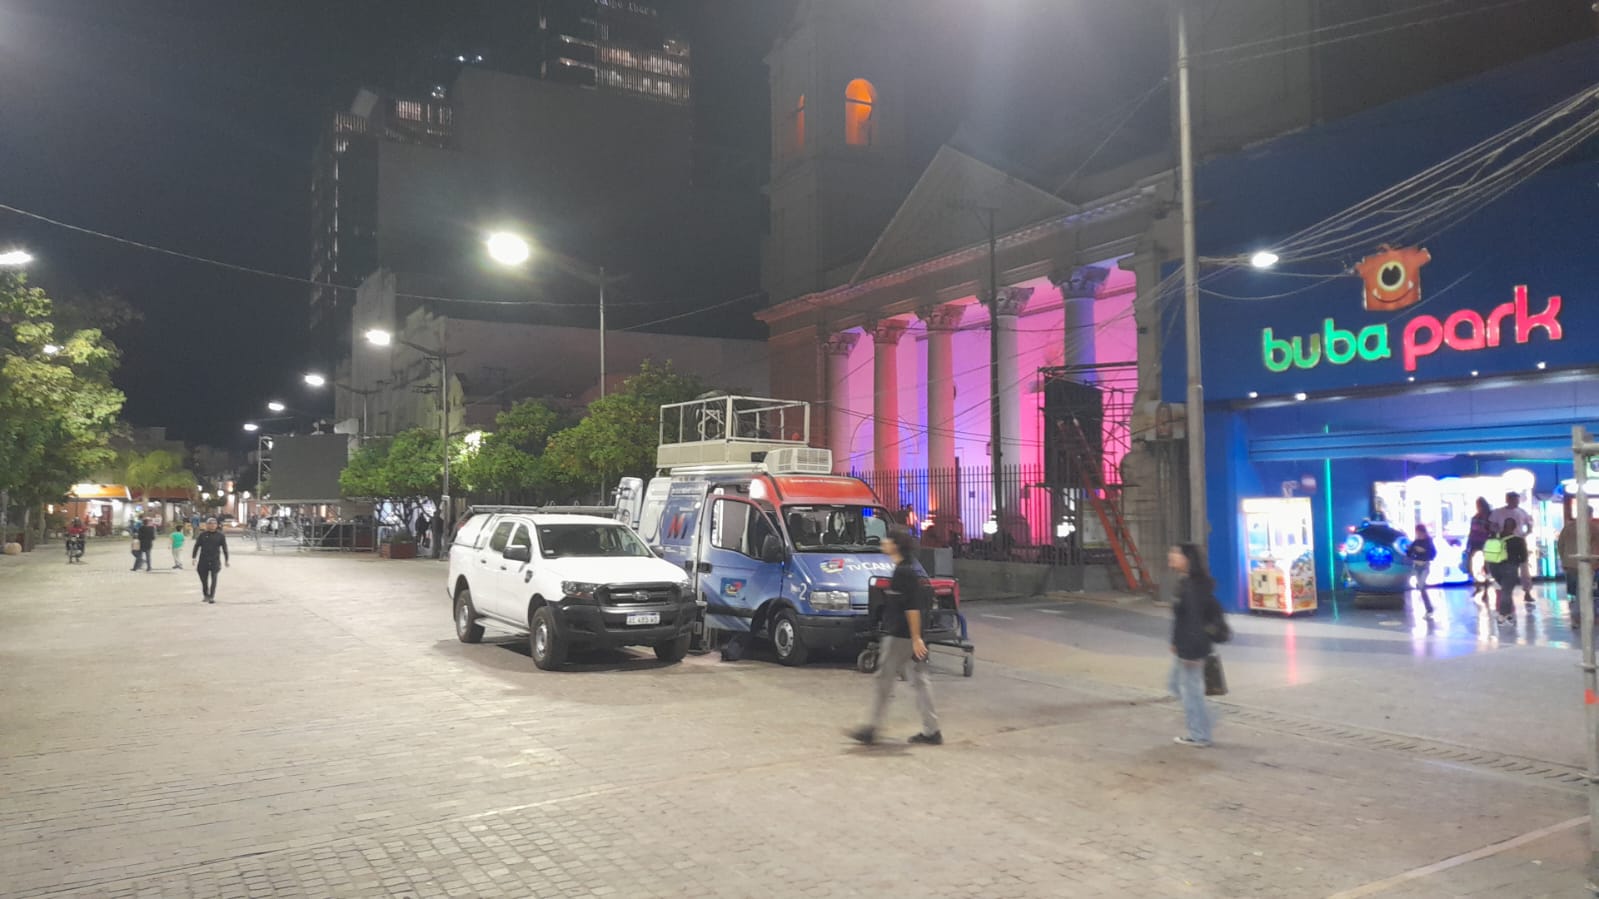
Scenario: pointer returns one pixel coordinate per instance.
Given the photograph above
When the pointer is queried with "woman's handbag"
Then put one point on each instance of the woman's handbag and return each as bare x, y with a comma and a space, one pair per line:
1215, 678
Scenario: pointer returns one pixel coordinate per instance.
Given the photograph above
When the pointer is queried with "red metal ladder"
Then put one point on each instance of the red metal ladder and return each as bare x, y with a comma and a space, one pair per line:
1110, 515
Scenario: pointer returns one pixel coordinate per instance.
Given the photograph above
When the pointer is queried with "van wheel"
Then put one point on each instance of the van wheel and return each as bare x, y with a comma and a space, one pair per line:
672, 650
467, 630
549, 650
786, 639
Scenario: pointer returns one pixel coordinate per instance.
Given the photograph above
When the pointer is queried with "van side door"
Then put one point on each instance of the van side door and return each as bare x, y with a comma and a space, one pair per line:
733, 579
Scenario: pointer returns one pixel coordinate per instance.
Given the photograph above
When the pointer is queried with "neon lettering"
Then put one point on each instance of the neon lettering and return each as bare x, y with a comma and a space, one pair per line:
1275, 352
1374, 343
1334, 339
1546, 319
1472, 339
1465, 330
1414, 349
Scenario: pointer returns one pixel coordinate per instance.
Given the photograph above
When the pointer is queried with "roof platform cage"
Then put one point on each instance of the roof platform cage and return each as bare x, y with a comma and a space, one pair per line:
729, 429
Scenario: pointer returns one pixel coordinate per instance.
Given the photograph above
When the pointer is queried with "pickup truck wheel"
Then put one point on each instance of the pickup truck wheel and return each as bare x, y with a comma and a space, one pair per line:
466, 627
786, 640
549, 650
672, 650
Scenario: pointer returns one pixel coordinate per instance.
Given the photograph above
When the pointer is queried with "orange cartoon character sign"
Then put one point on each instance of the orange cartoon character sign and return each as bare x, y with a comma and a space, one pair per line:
1391, 279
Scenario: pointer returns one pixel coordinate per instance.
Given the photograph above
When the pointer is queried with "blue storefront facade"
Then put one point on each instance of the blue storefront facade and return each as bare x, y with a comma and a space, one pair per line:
1463, 346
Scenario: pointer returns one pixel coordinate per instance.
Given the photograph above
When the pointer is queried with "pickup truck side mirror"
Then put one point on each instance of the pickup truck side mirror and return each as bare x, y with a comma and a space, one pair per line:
519, 553
772, 550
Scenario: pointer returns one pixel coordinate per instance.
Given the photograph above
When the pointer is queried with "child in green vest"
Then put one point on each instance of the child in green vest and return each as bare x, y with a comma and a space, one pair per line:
177, 547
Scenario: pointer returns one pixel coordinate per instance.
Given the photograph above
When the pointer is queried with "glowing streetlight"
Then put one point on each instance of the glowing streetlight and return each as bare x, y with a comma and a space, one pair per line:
15, 258
276, 406
507, 248
379, 337
251, 426
316, 380
51, 349
1263, 259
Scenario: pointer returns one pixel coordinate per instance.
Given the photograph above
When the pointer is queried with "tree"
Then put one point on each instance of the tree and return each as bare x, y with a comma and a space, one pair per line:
618, 436
510, 459
57, 407
410, 465
146, 473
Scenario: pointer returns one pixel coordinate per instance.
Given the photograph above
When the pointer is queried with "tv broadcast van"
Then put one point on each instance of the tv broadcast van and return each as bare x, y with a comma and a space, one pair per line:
775, 543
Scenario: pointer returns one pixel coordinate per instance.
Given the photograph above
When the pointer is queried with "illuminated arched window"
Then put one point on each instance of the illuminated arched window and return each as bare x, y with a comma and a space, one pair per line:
860, 100
797, 131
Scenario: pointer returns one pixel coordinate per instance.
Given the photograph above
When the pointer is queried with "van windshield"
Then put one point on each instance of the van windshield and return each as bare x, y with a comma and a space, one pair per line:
836, 529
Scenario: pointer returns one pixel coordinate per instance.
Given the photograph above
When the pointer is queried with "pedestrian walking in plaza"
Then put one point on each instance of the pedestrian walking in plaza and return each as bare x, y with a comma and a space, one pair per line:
908, 601
1421, 553
1512, 511
211, 554
1482, 528
143, 540
178, 536
1505, 555
1195, 619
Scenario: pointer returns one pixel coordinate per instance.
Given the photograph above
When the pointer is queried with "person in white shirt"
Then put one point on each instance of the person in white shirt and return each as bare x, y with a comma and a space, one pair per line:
1512, 511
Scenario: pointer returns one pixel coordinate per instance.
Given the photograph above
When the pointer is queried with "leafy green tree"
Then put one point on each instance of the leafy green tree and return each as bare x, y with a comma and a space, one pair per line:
618, 436
57, 404
364, 474
156, 470
510, 459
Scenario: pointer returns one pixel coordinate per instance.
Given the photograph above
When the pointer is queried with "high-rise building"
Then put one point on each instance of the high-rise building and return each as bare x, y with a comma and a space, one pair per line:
344, 200
611, 45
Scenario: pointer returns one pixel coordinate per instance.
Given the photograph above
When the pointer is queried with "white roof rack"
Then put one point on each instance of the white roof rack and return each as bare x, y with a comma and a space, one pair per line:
730, 430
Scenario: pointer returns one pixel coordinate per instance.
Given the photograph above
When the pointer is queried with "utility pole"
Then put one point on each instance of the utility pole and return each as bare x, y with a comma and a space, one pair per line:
996, 454
602, 336
1584, 449
448, 510
1195, 407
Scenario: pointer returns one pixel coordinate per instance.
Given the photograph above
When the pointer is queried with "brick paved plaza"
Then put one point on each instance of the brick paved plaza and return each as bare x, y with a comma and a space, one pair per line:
320, 732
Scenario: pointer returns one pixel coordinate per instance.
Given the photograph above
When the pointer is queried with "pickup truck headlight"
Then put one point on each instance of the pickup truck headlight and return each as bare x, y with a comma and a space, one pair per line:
579, 591
831, 600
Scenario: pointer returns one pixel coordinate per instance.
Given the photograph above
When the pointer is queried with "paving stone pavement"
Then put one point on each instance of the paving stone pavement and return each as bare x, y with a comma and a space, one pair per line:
320, 732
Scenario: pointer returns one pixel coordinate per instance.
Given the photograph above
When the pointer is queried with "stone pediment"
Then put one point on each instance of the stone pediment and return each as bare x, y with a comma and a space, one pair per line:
947, 210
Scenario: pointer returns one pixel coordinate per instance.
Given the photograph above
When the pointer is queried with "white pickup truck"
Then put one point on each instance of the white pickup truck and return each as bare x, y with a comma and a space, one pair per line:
568, 582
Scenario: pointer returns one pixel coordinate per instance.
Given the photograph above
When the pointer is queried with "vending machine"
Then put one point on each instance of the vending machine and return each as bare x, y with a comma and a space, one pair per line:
1280, 542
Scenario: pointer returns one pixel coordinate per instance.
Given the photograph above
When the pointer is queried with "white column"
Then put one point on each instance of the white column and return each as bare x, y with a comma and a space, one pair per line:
1010, 303
840, 423
885, 386
1077, 291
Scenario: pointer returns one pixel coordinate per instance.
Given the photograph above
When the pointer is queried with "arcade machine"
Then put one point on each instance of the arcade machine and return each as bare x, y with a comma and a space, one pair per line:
1279, 539
1374, 559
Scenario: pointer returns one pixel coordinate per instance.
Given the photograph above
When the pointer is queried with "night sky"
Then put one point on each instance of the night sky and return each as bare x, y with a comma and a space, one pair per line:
189, 125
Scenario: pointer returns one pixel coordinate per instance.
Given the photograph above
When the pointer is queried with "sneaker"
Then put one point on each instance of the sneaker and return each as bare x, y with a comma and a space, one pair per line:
211, 599
936, 738
1190, 741
865, 735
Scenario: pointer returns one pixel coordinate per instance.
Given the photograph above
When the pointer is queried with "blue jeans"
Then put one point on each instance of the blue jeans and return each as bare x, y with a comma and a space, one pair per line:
1188, 684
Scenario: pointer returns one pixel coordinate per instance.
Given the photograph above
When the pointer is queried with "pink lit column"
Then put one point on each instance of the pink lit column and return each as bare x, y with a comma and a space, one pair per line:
840, 423
941, 322
1012, 300
885, 387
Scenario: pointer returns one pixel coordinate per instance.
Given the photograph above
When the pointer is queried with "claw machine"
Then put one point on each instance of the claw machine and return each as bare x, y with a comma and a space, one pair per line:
1280, 543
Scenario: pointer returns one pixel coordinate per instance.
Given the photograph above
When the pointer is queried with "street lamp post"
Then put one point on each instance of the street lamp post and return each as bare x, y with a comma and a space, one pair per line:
315, 380
380, 337
1195, 426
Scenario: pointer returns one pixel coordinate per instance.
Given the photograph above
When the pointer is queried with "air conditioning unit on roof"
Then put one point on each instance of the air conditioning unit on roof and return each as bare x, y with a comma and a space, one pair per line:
799, 460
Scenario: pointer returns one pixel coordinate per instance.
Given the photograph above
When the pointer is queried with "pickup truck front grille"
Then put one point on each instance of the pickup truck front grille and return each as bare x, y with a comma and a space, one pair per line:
638, 594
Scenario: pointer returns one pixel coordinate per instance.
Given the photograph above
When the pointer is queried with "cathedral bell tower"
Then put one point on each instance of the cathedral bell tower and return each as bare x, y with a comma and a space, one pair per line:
838, 141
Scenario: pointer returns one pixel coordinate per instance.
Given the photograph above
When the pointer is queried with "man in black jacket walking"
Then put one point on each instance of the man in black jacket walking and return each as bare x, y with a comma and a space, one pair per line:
146, 537
211, 553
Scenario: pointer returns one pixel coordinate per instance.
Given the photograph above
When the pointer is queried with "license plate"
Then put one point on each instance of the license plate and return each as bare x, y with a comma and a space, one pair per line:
643, 618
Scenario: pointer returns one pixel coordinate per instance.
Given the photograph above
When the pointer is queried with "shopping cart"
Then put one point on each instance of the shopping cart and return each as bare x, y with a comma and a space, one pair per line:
945, 625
